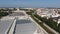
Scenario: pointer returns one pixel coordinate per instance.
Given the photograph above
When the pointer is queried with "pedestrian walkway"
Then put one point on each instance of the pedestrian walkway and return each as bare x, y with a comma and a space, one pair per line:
5, 25
25, 27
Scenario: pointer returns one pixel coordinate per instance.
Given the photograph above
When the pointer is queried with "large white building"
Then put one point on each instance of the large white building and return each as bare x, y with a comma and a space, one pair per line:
43, 12
47, 13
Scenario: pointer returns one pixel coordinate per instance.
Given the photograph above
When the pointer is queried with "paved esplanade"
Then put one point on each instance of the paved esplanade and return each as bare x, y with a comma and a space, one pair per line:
24, 25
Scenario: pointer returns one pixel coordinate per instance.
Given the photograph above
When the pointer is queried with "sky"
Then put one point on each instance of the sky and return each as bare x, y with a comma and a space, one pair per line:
30, 3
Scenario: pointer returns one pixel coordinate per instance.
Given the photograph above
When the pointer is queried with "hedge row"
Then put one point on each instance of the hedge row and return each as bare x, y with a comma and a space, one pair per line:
49, 22
3, 14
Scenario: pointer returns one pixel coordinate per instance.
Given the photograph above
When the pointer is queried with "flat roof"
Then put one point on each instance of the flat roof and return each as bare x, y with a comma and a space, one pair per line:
4, 25
25, 26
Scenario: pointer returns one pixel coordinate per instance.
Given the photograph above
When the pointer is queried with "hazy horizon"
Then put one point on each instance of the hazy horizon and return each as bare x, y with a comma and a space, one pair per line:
30, 3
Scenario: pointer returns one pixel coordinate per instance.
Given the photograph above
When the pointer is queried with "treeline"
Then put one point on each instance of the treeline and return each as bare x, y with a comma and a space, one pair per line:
7, 9
24, 9
49, 22
3, 14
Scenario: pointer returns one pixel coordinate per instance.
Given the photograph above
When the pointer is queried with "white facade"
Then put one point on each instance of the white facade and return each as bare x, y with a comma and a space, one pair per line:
56, 15
58, 21
43, 13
